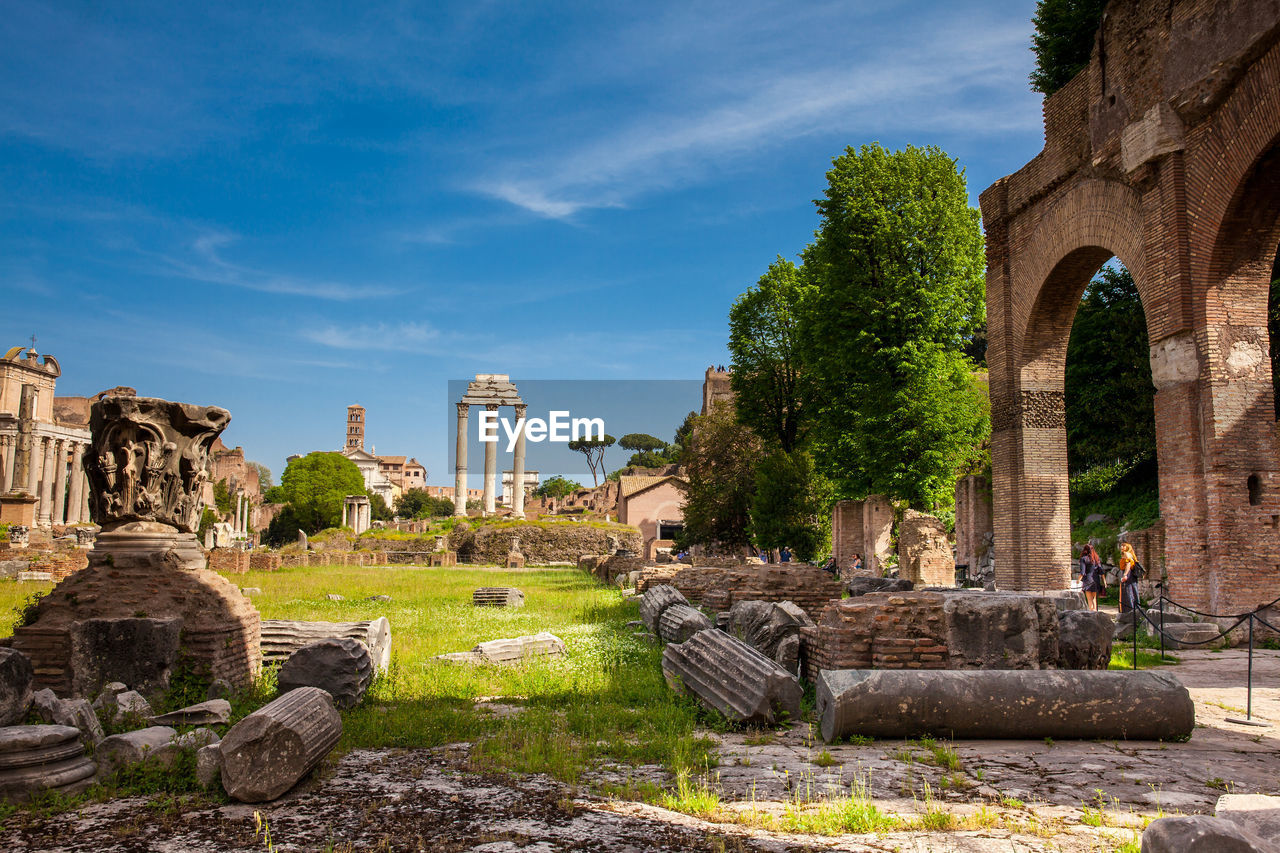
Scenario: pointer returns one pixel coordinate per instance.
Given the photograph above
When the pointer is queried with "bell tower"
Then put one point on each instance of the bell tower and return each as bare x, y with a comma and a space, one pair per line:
355, 428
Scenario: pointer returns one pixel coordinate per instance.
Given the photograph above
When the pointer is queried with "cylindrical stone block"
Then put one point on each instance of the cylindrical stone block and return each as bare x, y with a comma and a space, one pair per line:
679, 622
1004, 704
656, 600
266, 753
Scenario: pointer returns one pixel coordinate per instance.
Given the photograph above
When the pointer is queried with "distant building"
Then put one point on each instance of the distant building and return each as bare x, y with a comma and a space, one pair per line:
655, 505
406, 474
447, 492
59, 437
530, 485
355, 429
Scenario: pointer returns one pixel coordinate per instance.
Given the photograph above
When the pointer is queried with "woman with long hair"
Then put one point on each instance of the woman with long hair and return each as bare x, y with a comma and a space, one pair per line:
1091, 576
1128, 577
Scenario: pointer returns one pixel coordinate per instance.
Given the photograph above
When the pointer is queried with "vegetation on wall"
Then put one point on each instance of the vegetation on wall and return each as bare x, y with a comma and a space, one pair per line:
1063, 40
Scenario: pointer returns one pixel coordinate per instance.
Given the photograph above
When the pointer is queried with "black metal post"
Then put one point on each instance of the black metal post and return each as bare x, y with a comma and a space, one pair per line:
1160, 586
1133, 611
1248, 709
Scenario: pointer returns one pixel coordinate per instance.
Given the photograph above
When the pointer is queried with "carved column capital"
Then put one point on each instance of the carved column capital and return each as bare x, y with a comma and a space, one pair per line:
148, 460
463, 409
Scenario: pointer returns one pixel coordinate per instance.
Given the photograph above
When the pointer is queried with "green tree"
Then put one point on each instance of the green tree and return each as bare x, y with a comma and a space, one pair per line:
683, 432
417, 503
264, 476
378, 509
314, 487
222, 496
593, 449
791, 505
557, 487
764, 343
1063, 41
720, 461
898, 271
648, 451
1110, 401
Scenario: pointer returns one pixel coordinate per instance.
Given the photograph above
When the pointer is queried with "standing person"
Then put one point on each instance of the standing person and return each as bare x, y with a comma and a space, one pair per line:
1091, 576
1128, 577
785, 555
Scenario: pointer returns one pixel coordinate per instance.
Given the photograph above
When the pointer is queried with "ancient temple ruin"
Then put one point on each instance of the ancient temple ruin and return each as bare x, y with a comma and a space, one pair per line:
1165, 153
493, 391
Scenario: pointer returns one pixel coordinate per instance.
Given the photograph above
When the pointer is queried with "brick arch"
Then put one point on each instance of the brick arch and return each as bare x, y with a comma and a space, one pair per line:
1161, 152
1085, 227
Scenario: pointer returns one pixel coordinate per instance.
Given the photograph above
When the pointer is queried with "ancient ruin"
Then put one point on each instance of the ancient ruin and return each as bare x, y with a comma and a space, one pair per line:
493, 391
1163, 153
865, 528
146, 466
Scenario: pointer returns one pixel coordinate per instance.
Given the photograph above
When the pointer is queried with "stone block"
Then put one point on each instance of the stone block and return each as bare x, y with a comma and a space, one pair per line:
862, 586
283, 637
1258, 813
36, 759
208, 764
214, 712
140, 652
732, 678
272, 749
771, 628
76, 713
1062, 704
497, 596
1084, 639
340, 667
16, 676
657, 599
131, 748
1202, 834
997, 631
130, 705
679, 622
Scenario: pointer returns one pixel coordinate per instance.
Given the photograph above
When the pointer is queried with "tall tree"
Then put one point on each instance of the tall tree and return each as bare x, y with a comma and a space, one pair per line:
1110, 400
264, 475
720, 462
1063, 41
648, 451
791, 505
763, 340
593, 449
314, 487
898, 270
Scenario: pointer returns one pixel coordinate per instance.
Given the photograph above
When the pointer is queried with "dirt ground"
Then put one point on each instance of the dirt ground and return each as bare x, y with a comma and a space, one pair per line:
424, 800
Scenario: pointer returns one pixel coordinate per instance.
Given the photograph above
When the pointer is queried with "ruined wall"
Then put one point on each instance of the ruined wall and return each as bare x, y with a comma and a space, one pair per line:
862, 527
973, 521
717, 589
924, 554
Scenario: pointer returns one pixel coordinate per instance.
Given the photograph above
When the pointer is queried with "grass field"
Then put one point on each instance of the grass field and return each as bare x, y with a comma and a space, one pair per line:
605, 700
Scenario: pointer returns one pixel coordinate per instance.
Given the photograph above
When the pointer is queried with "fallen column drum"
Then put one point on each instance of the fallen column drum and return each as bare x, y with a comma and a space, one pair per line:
1004, 703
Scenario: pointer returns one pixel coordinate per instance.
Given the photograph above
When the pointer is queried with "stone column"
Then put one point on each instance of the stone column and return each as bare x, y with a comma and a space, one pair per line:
60, 481
490, 469
460, 466
517, 472
47, 478
33, 467
344, 513
6, 463
367, 509
76, 500
84, 505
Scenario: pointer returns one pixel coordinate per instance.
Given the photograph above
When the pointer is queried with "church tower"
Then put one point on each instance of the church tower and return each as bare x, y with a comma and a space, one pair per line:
355, 428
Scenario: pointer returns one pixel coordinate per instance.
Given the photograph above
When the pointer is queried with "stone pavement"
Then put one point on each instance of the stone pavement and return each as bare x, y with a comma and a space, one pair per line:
1037, 796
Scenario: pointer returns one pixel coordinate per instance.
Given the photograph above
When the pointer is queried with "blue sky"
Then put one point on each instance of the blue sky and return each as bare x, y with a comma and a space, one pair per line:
284, 211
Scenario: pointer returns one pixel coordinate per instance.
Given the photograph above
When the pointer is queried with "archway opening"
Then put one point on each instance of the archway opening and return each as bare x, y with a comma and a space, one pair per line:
1113, 473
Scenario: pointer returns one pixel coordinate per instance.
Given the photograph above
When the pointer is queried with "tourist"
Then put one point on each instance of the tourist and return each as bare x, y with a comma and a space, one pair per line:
1091, 576
784, 555
856, 565
1130, 574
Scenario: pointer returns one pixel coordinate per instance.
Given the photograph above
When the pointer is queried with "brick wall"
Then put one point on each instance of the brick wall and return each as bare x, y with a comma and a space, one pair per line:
1160, 152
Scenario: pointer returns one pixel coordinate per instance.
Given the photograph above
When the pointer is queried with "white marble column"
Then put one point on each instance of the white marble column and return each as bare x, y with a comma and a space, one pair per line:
76, 499
33, 466
85, 517
490, 469
344, 512
8, 448
60, 481
460, 466
47, 478
517, 468
367, 511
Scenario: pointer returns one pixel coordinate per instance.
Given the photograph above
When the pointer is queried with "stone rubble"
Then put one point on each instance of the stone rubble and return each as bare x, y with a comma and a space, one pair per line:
16, 676
214, 712
283, 637
497, 596
76, 713
512, 650
679, 622
771, 628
